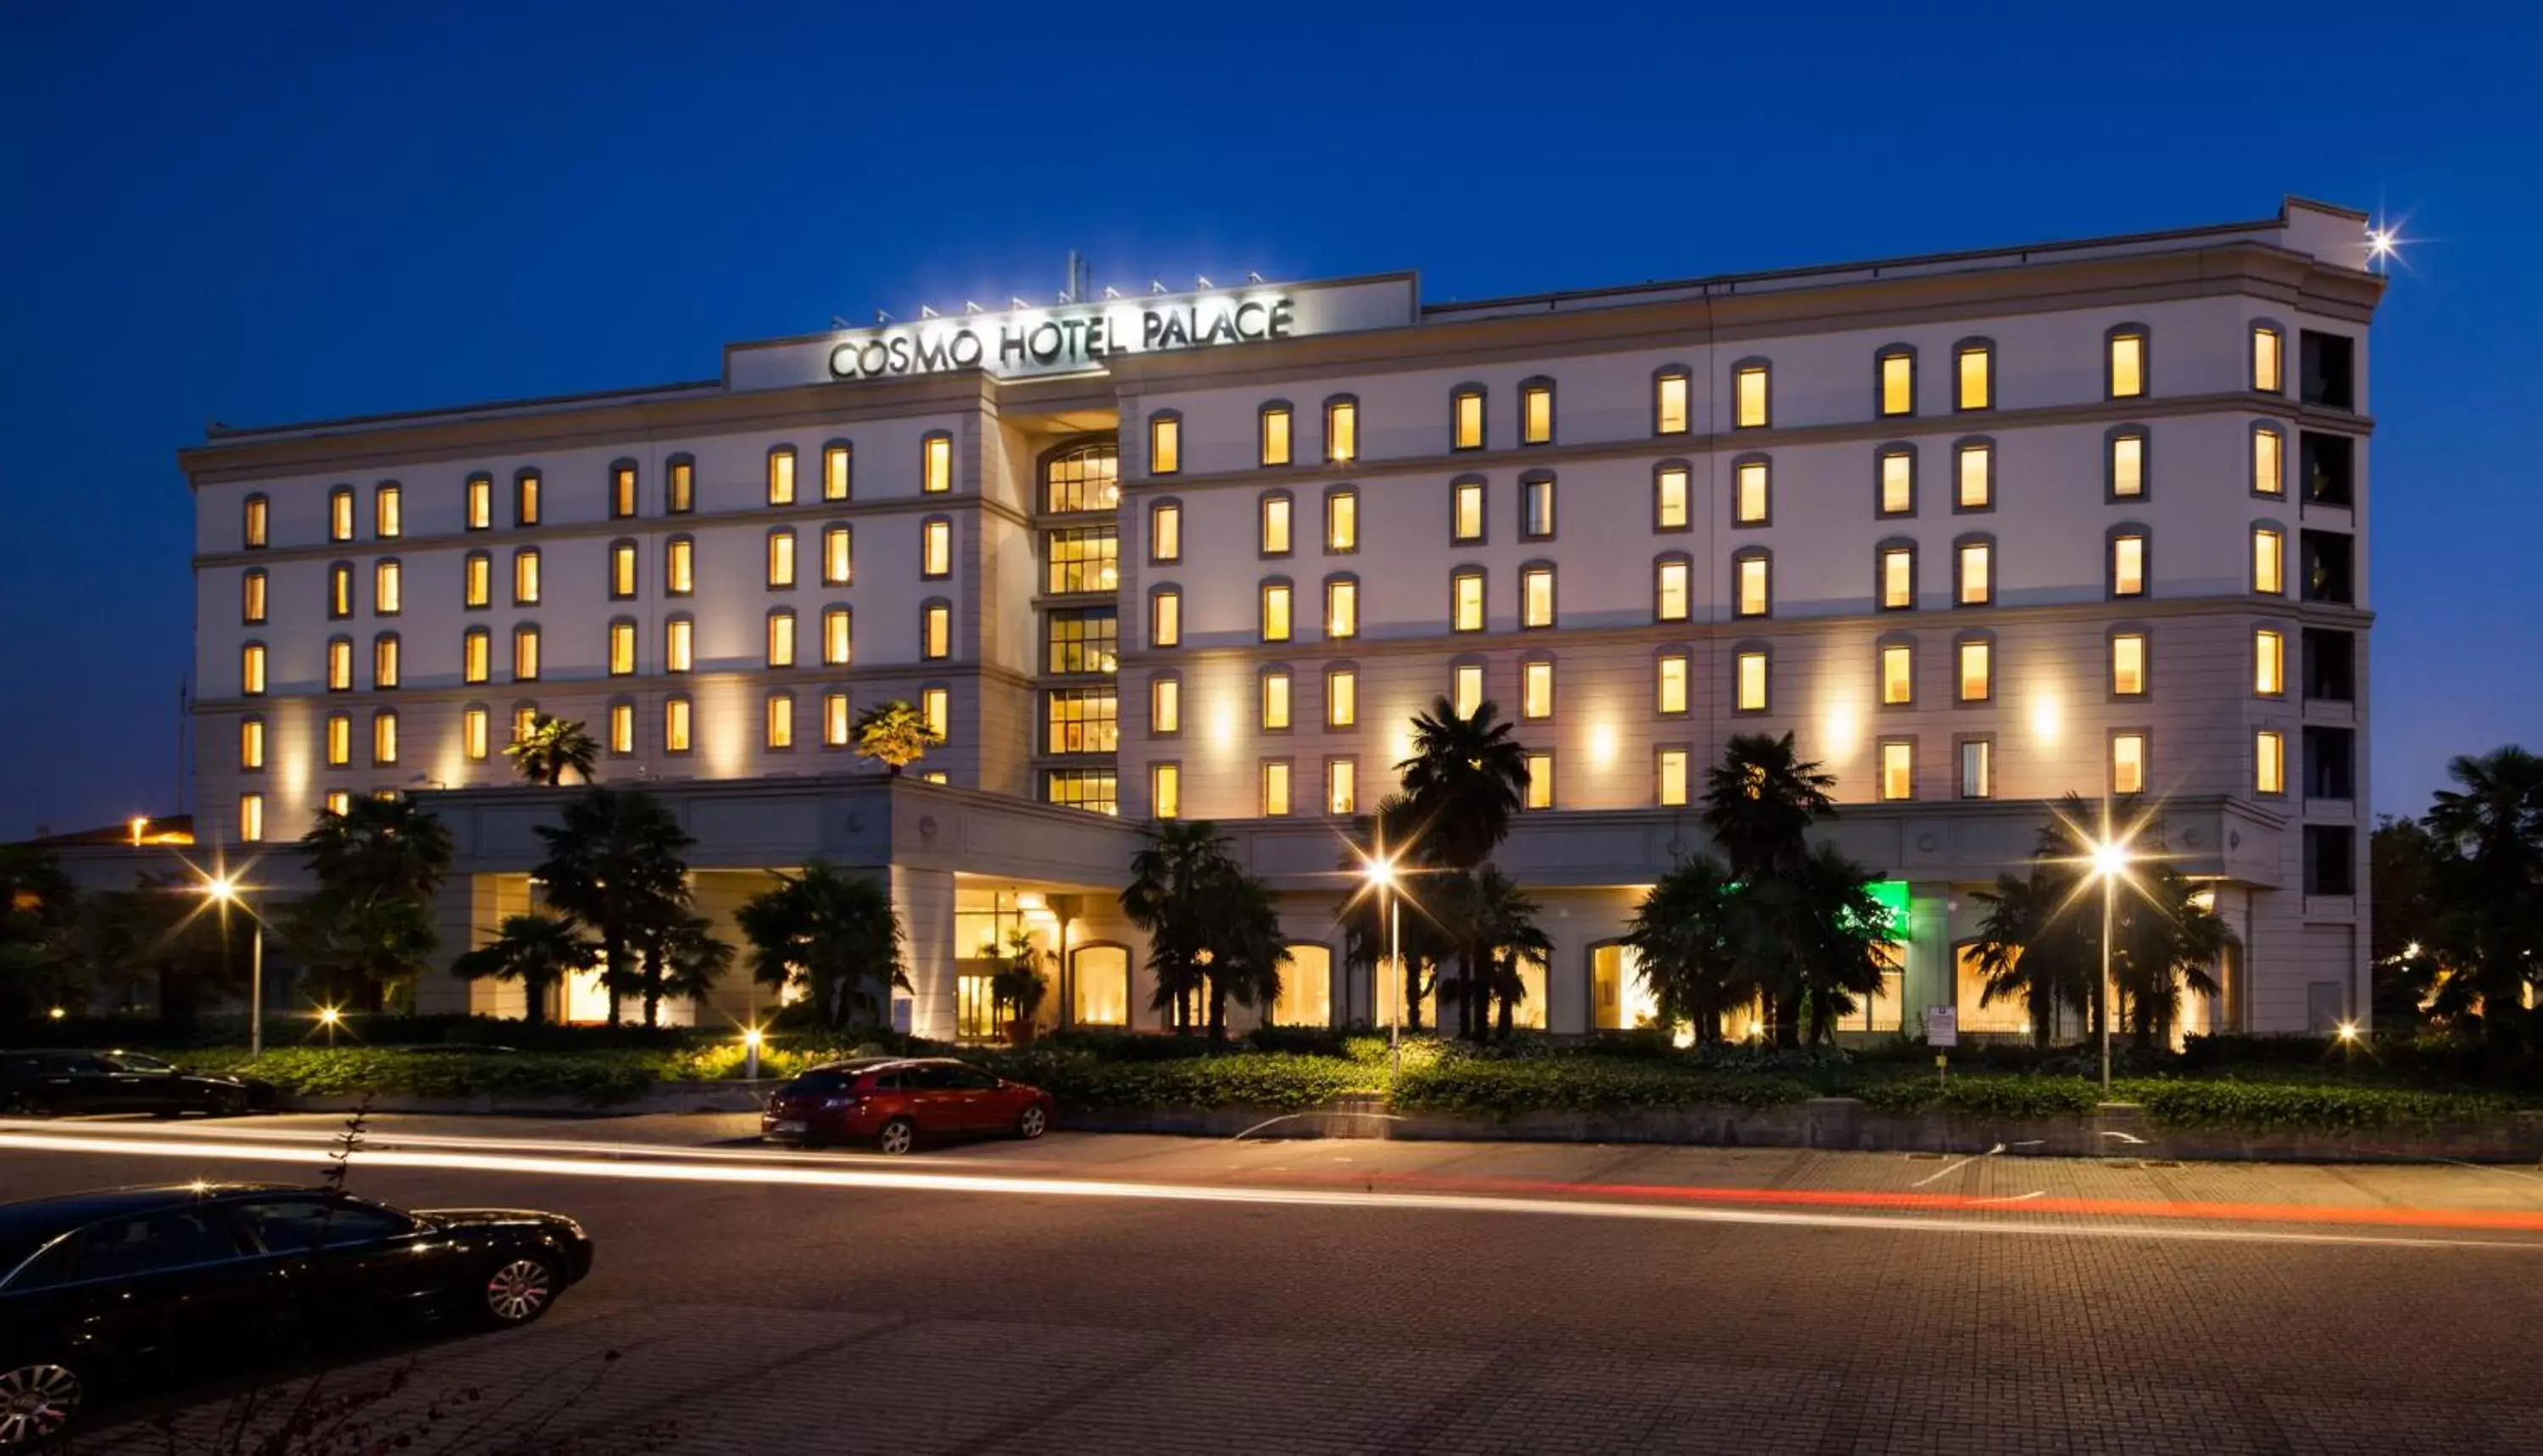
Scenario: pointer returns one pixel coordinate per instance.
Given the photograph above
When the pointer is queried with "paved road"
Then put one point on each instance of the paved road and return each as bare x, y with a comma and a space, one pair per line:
1131, 1294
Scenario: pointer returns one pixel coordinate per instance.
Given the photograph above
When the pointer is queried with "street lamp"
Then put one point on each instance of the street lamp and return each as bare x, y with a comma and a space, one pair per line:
1380, 870
750, 1040
2111, 858
224, 892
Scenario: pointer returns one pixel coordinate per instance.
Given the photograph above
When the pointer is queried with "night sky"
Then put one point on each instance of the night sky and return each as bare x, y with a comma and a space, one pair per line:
255, 214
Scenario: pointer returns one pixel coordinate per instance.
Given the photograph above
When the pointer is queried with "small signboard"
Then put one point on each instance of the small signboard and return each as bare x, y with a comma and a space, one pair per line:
1942, 1025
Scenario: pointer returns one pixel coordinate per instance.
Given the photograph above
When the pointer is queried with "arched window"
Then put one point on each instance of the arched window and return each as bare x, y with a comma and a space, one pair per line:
1084, 476
781, 474
838, 469
621, 488
2127, 462
1099, 976
1307, 996
256, 519
2127, 365
1893, 381
680, 485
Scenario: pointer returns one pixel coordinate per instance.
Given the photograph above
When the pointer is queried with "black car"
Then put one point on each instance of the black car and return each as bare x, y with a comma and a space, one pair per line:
101, 1291
54, 1083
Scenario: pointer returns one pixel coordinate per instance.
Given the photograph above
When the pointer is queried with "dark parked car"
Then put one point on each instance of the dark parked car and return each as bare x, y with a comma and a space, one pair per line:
101, 1291
894, 1102
51, 1083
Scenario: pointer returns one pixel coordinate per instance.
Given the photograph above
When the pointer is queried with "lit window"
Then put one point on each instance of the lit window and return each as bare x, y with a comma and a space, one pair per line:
1342, 431
1978, 671
1165, 532
1669, 510
1899, 383
471, 734
384, 661
781, 559
340, 739
781, 638
1467, 601
525, 715
251, 818
476, 655
481, 502
622, 728
2268, 462
1536, 690
679, 566
251, 742
1275, 611
838, 726
2127, 566
1536, 413
1897, 770
936, 469
255, 517
1540, 781
1536, 508
838, 633
2127, 365
679, 636
676, 726
525, 654
252, 598
2269, 762
1898, 578
1276, 700
1164, 444
1898, 482
1341, 608
339, 802
1673, 682
525, 576
1751, 501
1275, 435
1166, 790
388, 520
2269, 562
2127, 466
1341, 521
1536, 596
2128, 763
936, 548
1670, 589
1466, 419
622, 647
1978, 768
525, 498
1897, 675
1749, 399
838, 463
1669, 403
339, 591
1276, 787
339, 665
781, 720
387, 578
1165, 705
2267, 375
1341, 787
936, 638
2268, 662
1275, 526
384, 737
680, 486
1753, 682
1978, 583
1672, 778
1166, 618
477, 580
1756, 595
1976, 382
1468, 694
1081, 559
1341, 698
1977, 477
1467, 517
622, 570
838, 556
622, 493
2129, 663
339, 513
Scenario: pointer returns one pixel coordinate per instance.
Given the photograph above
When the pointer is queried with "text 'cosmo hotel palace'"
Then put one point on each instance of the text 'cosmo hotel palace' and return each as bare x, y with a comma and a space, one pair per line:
1982, 530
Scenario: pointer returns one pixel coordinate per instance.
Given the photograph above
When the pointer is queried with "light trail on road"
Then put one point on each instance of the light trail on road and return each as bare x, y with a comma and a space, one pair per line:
1681, 1206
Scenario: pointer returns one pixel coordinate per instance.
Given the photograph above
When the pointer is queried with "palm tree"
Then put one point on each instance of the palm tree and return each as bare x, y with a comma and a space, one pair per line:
834, 935
377, 847
1168, 877
680, 956
548, 747
1388, 834
538, 950
1687, 936
1465, 780
1243, 948
1759, 802
2163, 942
2490, 879
1506, 920
368, 924
614, 863
2023, 948
896, 734
361, 951
1838, 938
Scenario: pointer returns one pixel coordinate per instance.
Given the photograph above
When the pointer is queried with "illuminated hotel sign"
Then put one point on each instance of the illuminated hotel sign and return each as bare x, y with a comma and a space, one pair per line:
1070, 339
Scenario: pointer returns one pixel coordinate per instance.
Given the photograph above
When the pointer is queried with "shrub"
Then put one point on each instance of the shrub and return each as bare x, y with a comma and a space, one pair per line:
1580, 1084
1276, 1080
2258, 1107
1983, 1095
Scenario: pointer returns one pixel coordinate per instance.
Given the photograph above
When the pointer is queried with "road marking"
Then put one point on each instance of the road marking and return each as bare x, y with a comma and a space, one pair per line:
914, 1180
1957, 1167
2016, 1198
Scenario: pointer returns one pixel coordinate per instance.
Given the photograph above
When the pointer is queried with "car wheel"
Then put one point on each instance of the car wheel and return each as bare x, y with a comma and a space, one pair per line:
519, 1290
1034, 1124
231, 1104
897, 1136
39, 1403
166, 1113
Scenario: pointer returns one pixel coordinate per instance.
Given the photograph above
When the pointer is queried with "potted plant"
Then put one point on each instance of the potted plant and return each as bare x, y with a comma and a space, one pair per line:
1018, 986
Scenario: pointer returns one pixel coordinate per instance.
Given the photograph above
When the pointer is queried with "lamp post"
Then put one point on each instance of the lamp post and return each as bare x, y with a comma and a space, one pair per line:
1381, 876
2110, 863
224, 892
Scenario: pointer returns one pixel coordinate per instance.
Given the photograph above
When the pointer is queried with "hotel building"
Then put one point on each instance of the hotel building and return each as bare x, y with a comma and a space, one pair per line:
1980, 529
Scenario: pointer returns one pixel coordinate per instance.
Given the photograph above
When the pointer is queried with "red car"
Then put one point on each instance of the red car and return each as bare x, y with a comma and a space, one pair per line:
893, 1102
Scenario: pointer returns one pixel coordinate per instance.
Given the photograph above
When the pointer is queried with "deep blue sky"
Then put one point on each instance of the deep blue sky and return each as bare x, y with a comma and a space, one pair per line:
252, 214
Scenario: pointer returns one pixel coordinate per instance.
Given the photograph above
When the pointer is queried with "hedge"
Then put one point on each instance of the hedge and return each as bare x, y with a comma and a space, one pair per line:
1276, 1080
1580, 1084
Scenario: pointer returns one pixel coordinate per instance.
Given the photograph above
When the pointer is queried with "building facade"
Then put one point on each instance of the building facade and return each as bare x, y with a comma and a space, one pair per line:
1982, 530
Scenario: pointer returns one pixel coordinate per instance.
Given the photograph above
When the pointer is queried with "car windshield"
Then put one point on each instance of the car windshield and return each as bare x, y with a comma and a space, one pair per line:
135, 1061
